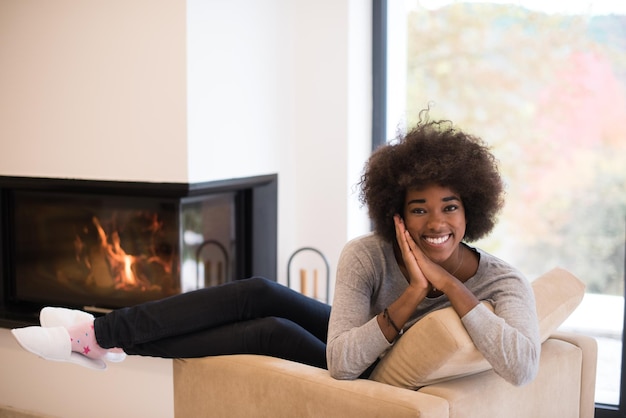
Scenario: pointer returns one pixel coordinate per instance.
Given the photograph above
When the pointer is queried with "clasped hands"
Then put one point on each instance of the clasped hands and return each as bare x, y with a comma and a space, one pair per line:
424, 274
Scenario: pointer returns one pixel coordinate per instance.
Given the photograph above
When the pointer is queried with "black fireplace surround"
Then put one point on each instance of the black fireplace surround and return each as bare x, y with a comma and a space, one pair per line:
100, 245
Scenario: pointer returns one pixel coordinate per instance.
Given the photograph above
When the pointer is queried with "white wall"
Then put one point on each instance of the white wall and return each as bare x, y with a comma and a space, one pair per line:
284, 87
139, 387
93, 89
239, 86
172, 92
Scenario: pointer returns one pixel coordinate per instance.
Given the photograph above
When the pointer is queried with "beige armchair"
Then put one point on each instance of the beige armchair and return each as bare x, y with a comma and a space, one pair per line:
260, 386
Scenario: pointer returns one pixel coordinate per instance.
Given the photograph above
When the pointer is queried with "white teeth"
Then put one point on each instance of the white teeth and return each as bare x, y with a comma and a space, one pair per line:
438, 240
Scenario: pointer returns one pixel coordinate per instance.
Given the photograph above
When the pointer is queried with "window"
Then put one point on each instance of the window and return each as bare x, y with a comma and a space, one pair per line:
544, 83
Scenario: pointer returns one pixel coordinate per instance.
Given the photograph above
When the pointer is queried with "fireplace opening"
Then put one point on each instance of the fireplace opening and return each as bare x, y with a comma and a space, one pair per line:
101, 251
103, 245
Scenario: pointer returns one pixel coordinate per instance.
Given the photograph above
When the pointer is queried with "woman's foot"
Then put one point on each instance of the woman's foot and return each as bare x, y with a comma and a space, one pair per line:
67, 318
83, 339
54, 344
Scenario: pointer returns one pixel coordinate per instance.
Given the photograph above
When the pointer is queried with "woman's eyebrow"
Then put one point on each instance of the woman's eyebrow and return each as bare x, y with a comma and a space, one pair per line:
422, 201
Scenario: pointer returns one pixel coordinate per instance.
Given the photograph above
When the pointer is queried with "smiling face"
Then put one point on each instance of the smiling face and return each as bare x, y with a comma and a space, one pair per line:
435, 218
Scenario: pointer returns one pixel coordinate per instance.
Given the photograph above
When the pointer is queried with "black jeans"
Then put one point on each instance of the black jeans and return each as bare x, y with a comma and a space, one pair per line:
250, 316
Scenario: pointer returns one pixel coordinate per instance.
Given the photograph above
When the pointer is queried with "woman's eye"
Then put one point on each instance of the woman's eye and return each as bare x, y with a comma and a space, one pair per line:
418, 211
451, 208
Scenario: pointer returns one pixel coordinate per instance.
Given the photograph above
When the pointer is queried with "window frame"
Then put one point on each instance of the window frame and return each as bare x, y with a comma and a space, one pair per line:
379, 133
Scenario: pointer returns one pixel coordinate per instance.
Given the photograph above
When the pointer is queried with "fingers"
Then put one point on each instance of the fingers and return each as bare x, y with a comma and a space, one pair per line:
406, 243
404, 237
397, 220
408, 247
401, 234
401, 237
417, 252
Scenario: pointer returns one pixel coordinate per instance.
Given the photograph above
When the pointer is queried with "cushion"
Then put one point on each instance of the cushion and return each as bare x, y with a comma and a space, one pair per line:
438, 348
557, 294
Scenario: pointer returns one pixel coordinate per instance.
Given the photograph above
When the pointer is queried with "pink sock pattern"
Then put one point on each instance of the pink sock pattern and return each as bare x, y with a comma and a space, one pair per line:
84, 340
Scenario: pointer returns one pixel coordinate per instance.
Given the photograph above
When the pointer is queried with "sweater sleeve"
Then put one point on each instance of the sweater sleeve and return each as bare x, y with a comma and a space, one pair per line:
509, 337
355, 340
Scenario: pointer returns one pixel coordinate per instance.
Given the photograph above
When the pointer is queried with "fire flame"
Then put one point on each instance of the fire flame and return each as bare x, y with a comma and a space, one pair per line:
129, 277
99, 261
121, 262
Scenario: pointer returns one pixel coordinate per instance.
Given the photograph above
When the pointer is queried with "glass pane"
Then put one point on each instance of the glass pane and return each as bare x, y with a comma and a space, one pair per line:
544, 83
93, 249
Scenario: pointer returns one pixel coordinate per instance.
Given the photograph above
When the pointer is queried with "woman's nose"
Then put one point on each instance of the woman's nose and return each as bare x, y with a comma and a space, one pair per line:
435, 220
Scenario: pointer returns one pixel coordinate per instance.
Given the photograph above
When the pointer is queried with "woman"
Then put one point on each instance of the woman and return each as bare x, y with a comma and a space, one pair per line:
426, 194
446, 187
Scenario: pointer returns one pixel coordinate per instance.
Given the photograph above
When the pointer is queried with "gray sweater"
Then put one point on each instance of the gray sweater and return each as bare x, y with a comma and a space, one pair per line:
369, 279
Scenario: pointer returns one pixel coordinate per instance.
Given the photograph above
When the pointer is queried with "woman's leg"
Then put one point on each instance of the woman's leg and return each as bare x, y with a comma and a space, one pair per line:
272, 336
205, 309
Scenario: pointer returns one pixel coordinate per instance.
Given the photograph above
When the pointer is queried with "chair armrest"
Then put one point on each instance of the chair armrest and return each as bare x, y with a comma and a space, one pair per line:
589, 347
254, 385
555, 392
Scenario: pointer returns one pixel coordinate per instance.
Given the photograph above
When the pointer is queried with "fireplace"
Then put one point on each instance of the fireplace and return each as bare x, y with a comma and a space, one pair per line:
101, 245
